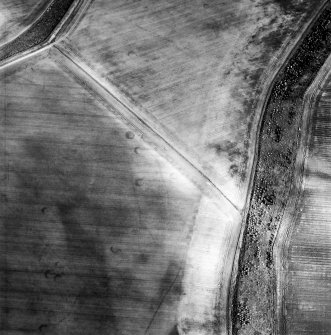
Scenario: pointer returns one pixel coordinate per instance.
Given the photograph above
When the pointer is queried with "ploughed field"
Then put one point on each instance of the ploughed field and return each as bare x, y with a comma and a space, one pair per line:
307, 299
98, 233
254, 300
83, 250
94, 225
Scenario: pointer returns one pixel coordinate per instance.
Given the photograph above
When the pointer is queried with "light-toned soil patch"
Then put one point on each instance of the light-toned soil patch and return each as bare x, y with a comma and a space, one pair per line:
193, 69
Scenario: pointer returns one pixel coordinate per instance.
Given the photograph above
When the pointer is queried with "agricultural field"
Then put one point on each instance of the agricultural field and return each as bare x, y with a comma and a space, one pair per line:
95, 225
306, 254
17, 15
148, 167
308, 299
193, 70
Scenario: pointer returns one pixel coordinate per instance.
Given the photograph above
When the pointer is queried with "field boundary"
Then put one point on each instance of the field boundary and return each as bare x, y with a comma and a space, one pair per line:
143, 129
289, 49
293, 209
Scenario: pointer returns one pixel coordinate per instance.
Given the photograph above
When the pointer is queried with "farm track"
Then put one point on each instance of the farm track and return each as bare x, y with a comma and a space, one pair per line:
278, 141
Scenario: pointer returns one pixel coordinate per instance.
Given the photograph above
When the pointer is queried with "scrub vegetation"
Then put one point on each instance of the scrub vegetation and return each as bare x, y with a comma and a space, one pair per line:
254, 297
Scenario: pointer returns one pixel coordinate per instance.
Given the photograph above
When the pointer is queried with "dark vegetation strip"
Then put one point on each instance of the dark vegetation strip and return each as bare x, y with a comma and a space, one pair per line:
39, 31
28, 19
253, 305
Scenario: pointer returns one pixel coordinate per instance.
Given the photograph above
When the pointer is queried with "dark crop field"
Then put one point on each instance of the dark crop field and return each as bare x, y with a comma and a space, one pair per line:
94, 225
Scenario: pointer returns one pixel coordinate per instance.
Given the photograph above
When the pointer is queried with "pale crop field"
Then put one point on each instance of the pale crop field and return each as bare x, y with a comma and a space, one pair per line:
307, 301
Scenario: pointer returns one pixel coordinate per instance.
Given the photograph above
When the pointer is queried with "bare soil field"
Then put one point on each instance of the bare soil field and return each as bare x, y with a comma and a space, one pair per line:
193, 70
17, 15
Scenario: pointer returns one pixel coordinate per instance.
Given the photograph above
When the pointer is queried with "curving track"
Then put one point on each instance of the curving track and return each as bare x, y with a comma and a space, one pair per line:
254, 294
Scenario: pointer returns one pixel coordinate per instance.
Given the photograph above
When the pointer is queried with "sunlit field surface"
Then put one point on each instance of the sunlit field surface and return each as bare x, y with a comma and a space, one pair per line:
307, 303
